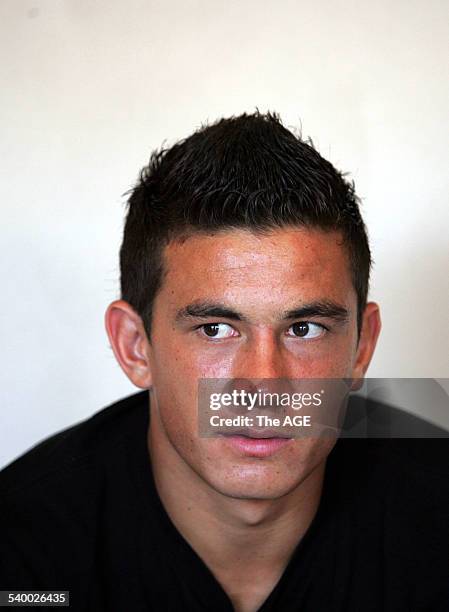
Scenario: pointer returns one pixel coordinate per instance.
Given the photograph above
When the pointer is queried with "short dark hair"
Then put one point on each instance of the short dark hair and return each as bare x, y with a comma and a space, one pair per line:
241, 172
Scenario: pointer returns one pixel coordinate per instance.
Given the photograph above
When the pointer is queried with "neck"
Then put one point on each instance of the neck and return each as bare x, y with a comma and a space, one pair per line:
246, 543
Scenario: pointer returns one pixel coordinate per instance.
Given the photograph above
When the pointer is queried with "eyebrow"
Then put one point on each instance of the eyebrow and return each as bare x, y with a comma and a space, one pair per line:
319, 308
206, 310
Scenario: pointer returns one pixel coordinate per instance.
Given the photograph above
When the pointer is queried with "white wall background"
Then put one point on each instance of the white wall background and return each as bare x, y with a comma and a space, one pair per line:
90, 87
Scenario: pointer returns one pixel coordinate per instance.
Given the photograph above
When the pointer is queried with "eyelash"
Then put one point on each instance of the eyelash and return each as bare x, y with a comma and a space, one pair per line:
203, 325
323, 327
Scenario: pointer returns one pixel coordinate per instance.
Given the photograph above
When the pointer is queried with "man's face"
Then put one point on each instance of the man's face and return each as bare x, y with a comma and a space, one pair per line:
226, 310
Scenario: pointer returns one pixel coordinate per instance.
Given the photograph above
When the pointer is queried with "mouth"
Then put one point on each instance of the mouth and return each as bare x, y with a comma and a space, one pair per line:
254, 443
259, 433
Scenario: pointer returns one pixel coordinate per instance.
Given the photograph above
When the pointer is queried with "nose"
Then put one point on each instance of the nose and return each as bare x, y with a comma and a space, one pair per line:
260, 357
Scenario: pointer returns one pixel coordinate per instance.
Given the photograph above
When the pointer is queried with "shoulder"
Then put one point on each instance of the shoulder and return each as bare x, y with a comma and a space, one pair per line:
51, 497
69, 451
394, 440
402, 484
390, 503
408, 469
403, 477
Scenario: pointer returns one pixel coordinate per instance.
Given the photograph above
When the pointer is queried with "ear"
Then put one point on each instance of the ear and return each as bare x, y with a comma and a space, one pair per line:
369, 333
129, 342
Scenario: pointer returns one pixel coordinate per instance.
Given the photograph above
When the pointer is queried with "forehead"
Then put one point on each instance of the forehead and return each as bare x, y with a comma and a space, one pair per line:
238, 263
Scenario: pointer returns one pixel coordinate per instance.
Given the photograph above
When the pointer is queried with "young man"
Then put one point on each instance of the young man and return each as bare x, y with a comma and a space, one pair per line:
244, 257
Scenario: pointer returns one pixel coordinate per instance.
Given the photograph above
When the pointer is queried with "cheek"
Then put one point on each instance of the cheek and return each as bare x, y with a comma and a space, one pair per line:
177, 408
331, 360
331, 365
175, 391
314, 450
187, 360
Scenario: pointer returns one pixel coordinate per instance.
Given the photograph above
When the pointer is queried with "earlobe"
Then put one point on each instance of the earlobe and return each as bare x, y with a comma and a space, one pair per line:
371, 326
129, 342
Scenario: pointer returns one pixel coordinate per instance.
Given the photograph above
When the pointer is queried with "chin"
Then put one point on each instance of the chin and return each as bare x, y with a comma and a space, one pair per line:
254, 486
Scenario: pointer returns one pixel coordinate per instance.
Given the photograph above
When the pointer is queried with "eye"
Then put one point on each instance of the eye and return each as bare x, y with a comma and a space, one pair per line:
218, 330
305, 329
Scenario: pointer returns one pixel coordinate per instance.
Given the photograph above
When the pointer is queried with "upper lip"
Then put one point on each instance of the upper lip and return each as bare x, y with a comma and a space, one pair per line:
254, 432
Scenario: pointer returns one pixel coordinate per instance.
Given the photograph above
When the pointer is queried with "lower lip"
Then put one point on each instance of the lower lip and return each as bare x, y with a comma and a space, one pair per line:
257, 447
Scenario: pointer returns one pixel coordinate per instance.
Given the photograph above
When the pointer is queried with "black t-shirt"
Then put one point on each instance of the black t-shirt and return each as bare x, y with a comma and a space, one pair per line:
80, 513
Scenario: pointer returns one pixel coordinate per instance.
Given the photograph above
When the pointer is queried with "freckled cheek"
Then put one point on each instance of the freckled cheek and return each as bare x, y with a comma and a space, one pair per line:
196, 362
327, 366
178, 408
169, 355
335, 358
316, 363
